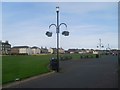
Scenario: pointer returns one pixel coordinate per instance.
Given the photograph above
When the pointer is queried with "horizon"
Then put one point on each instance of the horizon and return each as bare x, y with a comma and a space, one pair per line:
60, 47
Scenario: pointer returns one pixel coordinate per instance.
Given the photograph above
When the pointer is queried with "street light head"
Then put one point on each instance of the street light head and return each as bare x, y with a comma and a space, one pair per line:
57, 9
65, 33
49, 34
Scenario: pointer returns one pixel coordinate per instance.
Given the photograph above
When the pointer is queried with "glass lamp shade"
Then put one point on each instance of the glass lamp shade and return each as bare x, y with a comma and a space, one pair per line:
65, 33
49, 34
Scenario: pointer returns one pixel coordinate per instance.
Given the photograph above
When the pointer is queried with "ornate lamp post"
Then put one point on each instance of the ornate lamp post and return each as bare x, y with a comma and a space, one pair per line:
100, 45
65, 33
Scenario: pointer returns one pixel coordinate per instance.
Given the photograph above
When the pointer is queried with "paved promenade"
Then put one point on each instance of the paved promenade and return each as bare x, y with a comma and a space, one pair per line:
84, 73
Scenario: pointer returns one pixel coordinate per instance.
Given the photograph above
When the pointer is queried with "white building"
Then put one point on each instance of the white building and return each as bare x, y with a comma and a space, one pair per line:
61, 50
54, 50
36, 50
23, 50
51, 50
44, 50
95, 52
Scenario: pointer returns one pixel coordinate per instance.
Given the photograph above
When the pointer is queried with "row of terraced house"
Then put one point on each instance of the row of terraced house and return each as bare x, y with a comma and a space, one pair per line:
6, 49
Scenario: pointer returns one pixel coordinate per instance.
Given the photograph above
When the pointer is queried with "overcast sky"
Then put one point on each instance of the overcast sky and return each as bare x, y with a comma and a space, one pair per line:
25, 23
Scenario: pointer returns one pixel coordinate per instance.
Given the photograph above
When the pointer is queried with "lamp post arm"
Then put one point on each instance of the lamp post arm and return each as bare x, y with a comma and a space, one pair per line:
52, 25
63, 24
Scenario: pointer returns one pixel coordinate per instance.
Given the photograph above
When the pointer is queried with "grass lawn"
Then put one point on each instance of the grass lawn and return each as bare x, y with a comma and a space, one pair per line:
23, 66
27, 66
78, 56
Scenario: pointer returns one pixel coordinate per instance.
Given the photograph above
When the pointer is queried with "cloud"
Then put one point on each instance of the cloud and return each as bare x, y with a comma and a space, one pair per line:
87, 36
60, 1
85, 7
83, 30
89, 41
27, 33
83, 34
38, 38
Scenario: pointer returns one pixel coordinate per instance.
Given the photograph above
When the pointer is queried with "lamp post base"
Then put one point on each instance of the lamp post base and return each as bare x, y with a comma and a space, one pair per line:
57, 70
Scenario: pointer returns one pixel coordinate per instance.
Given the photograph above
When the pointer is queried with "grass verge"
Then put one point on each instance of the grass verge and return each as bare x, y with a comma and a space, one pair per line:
21, 67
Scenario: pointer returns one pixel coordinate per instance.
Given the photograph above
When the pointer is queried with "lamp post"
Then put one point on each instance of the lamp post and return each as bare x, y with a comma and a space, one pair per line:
100, 45
65, 33
108, 49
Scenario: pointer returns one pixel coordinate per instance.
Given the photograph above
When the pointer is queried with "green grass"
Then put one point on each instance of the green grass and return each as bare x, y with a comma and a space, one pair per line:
78, 56
0, 70
23, 66
27, 66
75, 56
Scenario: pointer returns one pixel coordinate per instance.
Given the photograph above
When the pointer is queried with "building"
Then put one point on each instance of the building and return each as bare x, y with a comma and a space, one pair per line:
44, 50
5, 48
36, 50
23, 50
61, 51
71, 51
81, 51
15, 50
54, 50
95, 52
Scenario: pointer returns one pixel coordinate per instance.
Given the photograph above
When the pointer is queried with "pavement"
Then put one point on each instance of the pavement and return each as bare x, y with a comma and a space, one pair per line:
83, 73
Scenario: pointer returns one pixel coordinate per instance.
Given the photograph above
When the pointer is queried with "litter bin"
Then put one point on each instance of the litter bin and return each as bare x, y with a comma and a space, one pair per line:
97, 55
53, 63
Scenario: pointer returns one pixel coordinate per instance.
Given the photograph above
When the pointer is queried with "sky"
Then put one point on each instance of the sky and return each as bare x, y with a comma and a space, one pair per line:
25, 23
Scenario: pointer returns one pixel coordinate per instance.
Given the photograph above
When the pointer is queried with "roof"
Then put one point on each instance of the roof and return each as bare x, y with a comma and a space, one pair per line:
34, 47
21, 47
72, 49
56, 48
53, 48
5, 43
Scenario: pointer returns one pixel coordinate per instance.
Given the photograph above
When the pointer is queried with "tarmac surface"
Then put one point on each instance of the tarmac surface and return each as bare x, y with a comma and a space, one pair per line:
83, 73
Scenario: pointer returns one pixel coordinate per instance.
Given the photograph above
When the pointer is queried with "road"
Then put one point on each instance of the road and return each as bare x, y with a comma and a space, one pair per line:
85, 73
